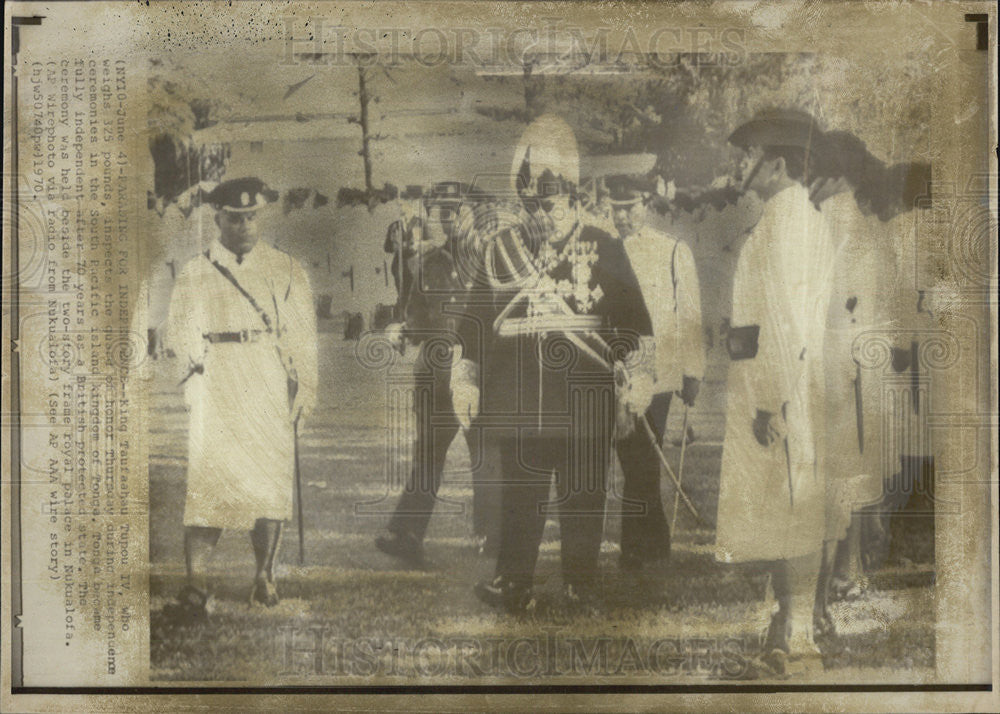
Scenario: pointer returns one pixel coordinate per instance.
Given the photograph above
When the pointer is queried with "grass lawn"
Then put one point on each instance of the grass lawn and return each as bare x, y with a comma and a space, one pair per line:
352, 615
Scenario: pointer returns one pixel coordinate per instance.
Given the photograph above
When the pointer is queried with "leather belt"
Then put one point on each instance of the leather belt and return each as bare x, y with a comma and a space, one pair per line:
241, 336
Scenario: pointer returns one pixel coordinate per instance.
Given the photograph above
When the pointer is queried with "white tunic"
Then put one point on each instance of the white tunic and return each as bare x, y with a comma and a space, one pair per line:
240, 438
668, 278
910, 434
772, 499
859, 315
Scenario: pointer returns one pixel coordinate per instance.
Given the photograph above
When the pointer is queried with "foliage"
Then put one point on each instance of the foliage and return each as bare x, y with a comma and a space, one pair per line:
178, 108
683, 110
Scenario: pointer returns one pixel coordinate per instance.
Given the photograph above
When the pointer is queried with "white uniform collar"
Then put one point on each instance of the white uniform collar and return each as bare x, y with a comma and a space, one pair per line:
226, 257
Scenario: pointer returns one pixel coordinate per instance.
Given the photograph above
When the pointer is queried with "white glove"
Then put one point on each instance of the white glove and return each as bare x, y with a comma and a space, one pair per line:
465, 391
638, 374
394, 333
638, 391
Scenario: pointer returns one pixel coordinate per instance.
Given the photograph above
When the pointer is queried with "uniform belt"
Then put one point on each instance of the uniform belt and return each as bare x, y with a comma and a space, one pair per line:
241, 336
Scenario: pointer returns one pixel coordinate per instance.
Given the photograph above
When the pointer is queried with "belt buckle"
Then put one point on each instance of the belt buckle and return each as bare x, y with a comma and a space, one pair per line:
244, 336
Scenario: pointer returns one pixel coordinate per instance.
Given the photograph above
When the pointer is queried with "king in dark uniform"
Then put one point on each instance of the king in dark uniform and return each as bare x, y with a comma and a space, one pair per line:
560, 315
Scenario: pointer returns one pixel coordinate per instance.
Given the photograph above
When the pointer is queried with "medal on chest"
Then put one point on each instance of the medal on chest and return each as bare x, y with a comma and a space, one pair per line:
551, 294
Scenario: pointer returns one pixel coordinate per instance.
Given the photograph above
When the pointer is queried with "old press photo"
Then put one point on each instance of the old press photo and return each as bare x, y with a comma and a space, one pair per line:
484, 350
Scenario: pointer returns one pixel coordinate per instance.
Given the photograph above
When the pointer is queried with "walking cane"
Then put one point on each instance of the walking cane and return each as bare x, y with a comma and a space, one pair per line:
298, 494
680, 470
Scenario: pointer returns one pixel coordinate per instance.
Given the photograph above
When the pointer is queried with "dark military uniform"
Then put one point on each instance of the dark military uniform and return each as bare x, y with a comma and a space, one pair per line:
550, 402
429, 322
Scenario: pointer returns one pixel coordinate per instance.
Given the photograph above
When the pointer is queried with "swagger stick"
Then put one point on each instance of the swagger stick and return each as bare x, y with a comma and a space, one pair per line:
663, 460
680, 469
298, 494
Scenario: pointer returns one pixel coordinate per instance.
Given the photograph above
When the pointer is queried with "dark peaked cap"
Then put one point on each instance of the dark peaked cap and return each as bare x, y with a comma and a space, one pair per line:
843, 154
629, 188
242, 194
778, 127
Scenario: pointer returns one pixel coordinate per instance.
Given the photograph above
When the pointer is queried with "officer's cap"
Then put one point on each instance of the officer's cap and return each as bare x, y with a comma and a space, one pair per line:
626, 189
842, 154
241, 195
791, 128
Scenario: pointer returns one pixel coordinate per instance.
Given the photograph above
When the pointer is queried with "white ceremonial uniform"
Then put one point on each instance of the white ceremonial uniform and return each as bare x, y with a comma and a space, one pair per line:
910, 434
772, 499
668, 278
858, 315
240, 437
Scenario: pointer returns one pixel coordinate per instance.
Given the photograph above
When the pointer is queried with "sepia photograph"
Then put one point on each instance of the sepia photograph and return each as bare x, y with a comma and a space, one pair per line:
493, 347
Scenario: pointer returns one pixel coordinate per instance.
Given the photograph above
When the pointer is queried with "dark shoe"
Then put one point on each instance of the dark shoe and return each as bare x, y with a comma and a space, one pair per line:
776, 661
265, 593
504, 593
192, 607
404, 546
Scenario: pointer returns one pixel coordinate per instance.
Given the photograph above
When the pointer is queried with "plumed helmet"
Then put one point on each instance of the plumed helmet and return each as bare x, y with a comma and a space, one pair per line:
547, 153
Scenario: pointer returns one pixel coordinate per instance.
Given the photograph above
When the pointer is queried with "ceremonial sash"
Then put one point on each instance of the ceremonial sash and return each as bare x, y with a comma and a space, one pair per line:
290, 373
228, 275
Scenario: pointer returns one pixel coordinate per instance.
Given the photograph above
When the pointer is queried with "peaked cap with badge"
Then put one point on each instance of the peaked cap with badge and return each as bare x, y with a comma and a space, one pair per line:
241, 195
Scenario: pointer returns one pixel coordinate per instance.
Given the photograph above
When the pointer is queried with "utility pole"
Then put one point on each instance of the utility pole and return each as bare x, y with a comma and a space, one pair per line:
364, 98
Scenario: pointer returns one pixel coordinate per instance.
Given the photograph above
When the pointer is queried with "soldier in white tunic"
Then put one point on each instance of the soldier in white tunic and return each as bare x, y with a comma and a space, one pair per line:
665, 270
855, 463
242, 325
772, 497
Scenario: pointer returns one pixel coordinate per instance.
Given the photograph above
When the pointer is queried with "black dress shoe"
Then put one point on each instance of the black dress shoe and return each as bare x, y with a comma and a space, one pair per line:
192, 607
404, 546
504, 593
265, 593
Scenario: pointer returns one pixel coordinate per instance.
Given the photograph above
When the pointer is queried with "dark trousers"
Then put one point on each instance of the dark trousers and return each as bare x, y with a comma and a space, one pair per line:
436, 428
645, 531
580, 467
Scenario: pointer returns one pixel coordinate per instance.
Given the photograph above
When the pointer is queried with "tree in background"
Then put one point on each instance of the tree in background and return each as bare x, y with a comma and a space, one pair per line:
178, 108
683, 107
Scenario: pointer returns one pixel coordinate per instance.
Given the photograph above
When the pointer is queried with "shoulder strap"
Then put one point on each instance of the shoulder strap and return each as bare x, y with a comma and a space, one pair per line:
227, 274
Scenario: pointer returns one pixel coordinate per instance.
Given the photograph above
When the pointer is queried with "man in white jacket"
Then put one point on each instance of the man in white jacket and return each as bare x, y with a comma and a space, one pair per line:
242, 324
858, 319
772, 497
665, 270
